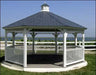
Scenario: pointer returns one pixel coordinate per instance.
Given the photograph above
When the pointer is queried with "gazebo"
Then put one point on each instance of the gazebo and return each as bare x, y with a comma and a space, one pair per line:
45, 21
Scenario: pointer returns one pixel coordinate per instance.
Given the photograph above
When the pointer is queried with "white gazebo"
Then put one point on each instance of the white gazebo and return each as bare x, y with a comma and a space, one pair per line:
45, 21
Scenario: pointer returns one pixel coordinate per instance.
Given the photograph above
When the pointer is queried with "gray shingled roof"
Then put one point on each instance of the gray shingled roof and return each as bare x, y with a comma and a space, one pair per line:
45, 19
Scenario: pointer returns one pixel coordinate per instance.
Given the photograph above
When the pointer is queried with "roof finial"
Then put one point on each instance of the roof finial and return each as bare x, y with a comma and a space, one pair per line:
44, 2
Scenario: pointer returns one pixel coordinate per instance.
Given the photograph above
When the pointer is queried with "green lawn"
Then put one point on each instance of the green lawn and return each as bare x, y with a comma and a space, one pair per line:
88, 70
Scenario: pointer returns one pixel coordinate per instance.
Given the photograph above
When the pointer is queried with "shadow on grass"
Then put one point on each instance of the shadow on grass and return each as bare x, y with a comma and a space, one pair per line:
2, 58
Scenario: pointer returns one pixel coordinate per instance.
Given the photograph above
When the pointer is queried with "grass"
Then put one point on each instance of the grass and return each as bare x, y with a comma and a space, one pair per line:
90, 69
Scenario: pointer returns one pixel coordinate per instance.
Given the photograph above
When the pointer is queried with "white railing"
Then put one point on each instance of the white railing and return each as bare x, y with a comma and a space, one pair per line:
74, 55
87, 47
14, 55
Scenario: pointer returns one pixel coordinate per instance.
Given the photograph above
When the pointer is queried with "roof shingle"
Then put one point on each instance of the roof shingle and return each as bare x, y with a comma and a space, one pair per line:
46, 19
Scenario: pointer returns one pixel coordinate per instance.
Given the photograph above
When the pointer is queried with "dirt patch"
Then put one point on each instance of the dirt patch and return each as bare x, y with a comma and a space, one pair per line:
90, 52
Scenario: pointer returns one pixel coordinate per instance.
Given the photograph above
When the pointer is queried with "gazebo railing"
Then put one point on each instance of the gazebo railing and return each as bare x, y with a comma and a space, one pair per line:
14, 55
74, 55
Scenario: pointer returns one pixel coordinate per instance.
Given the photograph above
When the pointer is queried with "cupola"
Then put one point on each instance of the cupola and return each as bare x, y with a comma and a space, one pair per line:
45, 7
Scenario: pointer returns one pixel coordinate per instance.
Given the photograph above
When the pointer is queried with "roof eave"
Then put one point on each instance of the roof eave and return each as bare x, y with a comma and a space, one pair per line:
36, 27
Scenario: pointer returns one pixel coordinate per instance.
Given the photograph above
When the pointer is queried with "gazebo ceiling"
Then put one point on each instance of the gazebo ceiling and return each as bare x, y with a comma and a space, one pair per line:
45, 20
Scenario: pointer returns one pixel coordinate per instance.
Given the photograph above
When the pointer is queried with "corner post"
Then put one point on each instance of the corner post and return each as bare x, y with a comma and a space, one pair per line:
13, 38
5, 44
64, 49
56, 48
83, 45
25, 47
75, 36
33, 35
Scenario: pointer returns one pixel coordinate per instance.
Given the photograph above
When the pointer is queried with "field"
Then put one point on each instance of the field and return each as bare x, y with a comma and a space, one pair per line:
90, 69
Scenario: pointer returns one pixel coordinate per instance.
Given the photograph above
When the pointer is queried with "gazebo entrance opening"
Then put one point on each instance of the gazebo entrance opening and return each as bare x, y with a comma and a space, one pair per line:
25, 54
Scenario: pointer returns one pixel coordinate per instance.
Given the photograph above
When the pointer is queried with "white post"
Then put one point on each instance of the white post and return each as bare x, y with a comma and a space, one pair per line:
83, 45
25, 47
75, 36
13, 36
33, 43
56, 50
5, 44
64, 49
33, 35
80, 43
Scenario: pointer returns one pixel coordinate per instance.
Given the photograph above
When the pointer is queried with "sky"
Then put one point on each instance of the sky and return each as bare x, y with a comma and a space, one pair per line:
81, 12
